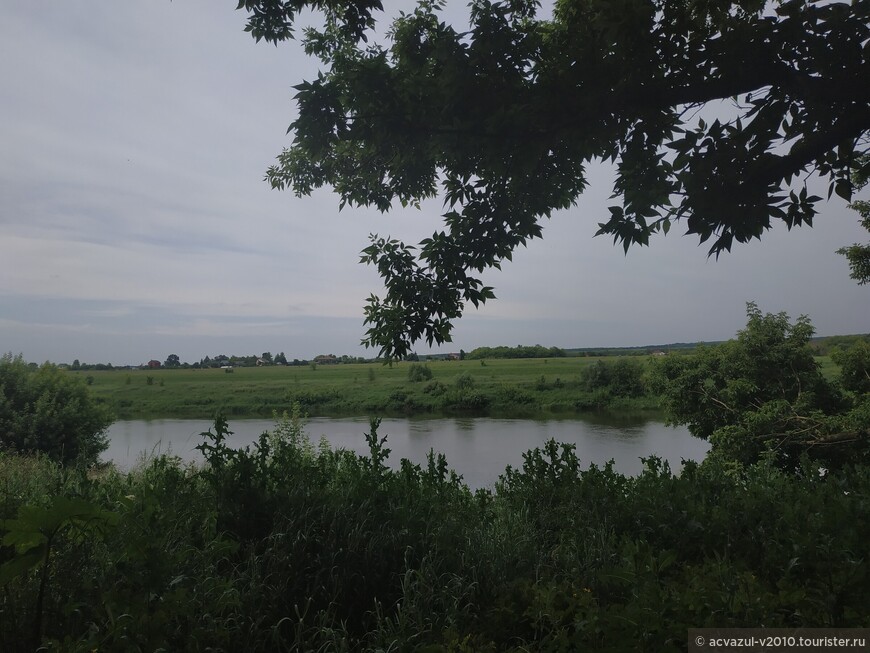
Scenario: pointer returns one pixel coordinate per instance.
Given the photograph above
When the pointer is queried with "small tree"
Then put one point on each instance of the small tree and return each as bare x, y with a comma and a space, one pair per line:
626, 378
172, 361
48, 411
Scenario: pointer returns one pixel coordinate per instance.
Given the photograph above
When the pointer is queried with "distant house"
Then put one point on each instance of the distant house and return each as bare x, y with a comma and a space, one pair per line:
153, 364
326, 359
659, 353
261, 362
453, 357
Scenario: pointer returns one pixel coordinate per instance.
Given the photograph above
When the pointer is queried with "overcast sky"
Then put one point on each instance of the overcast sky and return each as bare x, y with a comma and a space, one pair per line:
135, 222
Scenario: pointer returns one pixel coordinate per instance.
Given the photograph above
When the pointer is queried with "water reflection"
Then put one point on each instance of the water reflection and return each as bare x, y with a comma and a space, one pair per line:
477, 448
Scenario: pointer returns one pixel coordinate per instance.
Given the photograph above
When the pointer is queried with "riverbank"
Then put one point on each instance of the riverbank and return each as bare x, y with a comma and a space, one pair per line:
504, 388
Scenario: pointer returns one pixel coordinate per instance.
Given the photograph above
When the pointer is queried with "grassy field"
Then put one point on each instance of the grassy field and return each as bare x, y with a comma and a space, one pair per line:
499, 386
517, 387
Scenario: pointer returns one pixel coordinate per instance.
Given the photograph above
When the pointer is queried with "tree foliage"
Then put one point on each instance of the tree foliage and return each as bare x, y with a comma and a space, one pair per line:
857, 254
49, 411
854, 365
501, 120
764, 394
623, 377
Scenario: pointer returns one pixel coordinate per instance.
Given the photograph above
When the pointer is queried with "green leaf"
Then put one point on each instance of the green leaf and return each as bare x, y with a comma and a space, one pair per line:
20, 565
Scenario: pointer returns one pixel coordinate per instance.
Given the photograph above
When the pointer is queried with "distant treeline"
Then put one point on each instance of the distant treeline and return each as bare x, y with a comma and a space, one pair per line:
824, 346
520, 351
221, 360
267, 359
645, 350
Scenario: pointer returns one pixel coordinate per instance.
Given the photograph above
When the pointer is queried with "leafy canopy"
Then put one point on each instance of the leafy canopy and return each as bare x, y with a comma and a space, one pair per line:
501, 120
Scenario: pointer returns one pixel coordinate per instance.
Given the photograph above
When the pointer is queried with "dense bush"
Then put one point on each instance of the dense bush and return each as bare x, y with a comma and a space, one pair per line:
854, 365
48, 411
419, 372
464, 382
288, 546
764, 393
623, 377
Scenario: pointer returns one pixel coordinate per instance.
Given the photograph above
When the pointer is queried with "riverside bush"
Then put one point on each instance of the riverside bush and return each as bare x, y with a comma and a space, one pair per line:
623, 377
286, 546
764, 393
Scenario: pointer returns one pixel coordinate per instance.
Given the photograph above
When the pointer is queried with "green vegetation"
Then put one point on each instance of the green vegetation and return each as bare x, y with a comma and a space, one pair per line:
854, 363
291, 546
418, 372
763, 394
500, 387
826, 346
520, 351
45, 410
857, 254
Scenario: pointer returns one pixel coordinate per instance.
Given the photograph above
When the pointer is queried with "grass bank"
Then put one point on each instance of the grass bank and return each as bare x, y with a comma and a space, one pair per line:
289, 547
495, 387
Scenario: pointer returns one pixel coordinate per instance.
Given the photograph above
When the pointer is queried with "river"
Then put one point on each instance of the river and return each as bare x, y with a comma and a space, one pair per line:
477, 448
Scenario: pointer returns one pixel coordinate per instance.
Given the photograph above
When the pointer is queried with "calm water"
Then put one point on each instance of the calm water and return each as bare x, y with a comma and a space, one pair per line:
477, 448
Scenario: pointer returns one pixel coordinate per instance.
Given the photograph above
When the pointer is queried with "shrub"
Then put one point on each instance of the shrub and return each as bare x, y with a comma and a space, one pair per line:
464, 381
398, 398
419, 372
434, 388
511, 395
49, 411
626, 378
620, 378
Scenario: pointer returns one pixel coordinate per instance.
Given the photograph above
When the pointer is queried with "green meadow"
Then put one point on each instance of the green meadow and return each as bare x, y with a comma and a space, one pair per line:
502, 387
